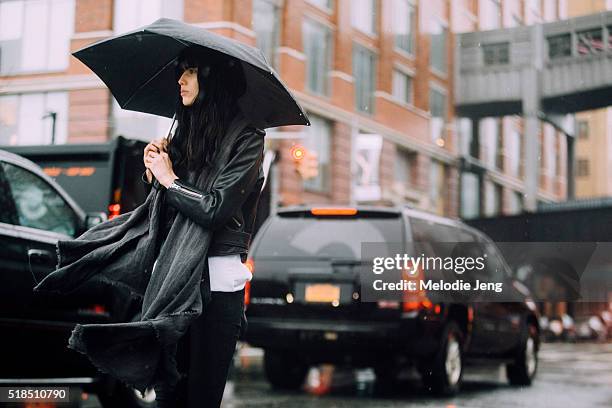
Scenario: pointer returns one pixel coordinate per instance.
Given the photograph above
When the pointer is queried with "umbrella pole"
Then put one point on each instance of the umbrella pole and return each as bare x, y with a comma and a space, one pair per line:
171, 126
167, 138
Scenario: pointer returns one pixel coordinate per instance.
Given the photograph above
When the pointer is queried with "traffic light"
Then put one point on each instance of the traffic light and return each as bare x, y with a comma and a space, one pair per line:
306, 162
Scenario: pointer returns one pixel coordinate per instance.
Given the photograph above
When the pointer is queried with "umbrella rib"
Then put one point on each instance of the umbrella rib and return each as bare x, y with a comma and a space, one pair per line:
154, 76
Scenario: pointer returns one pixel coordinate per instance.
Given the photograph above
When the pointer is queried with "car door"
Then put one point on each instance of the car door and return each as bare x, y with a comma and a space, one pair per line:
13, 253
505, 315
42, 218
440, 239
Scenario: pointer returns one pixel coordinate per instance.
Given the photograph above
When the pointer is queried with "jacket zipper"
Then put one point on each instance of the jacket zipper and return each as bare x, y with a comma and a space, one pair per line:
186, 191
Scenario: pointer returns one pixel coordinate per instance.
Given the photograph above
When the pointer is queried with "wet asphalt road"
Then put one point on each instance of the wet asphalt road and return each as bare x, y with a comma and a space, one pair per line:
569, 375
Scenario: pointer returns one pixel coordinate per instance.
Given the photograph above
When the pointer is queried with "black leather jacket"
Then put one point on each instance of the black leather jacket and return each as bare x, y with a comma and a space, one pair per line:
229, 209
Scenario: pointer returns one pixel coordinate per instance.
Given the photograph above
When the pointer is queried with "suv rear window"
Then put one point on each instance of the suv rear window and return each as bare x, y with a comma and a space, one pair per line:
325, 237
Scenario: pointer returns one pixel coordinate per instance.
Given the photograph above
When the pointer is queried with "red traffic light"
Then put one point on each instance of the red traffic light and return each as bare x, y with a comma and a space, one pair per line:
306, 162
298, 152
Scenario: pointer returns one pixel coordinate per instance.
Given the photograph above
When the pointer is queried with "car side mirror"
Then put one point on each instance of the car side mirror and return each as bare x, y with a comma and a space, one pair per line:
95, 218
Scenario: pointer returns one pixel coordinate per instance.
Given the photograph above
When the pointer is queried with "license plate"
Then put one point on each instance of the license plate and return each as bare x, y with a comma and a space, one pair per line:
322, 292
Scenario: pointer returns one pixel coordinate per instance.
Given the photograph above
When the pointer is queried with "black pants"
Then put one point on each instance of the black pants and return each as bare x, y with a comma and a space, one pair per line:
206, 354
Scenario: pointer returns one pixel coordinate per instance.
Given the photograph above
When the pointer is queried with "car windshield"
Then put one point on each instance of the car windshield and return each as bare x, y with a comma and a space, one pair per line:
326, 237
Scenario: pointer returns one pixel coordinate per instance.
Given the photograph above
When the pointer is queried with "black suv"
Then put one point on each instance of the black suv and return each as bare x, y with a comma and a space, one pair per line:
302, 248
35, 212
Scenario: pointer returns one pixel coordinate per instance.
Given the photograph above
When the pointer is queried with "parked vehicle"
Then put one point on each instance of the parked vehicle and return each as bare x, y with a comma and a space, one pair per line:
606, 316
559, 328
101, 177
36, 212
302, 250
591, 328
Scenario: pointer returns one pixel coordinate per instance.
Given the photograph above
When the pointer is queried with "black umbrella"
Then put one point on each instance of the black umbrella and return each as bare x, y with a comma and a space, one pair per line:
139, 69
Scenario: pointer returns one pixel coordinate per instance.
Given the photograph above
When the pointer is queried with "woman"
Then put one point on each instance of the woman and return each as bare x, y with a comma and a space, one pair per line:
208, 103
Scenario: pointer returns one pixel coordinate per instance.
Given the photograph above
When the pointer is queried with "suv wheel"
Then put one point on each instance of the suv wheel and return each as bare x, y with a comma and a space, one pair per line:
283, 371
443, 373
523, 370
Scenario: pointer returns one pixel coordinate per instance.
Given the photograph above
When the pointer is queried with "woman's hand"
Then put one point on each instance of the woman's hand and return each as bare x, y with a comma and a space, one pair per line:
160, 165
157, 145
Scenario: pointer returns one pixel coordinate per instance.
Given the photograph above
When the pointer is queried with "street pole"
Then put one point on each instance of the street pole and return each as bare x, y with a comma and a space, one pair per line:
53, 116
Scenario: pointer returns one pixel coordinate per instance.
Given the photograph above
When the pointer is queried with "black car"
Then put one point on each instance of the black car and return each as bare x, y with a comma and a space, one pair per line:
98, 176
302, 248
35, 212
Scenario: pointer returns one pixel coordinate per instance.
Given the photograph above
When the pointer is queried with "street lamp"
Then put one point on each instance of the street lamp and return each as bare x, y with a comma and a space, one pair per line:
53, 116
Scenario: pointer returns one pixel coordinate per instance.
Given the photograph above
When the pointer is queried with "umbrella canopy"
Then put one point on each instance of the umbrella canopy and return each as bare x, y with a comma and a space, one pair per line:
139, 69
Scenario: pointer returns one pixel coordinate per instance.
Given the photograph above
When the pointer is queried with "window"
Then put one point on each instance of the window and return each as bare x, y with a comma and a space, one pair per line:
516, 202
470, 195
493, 199
499, 194
590, 42
38, 204
317, 47
25, 119
582, 167
137, 125
131, 14
402, 87
437, 106
266, 24
363, 72
363, 15
404, 25
326, 4
490, 133
464, 127
495, 54
437, 186
559, 46
550, 10
319, 140
438, 240
8, 212
437, 56
325, 237
558, 155
513, 151
499, 145
533, 13
495, 267
550, 148
583, 129
403, 166
490, 14
35, 35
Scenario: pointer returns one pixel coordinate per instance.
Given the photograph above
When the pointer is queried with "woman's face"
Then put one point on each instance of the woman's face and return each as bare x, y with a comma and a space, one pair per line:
189, 85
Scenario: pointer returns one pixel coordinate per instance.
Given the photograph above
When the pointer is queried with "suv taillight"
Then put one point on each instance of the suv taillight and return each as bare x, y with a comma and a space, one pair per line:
413, 300
114, 210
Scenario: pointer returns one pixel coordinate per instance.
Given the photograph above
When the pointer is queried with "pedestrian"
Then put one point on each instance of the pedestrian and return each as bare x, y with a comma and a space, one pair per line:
207, 104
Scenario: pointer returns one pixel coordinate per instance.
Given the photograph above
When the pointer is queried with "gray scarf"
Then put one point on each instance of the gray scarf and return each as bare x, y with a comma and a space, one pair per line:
116, 258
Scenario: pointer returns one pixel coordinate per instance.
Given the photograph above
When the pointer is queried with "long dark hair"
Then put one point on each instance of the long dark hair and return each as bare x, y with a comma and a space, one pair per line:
202, 125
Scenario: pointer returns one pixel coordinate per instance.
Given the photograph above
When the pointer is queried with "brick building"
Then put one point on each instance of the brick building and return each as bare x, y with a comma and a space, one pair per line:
375, 77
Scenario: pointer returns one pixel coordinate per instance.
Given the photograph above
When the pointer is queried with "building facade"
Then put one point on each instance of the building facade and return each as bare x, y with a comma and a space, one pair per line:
593, 131
375, 77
